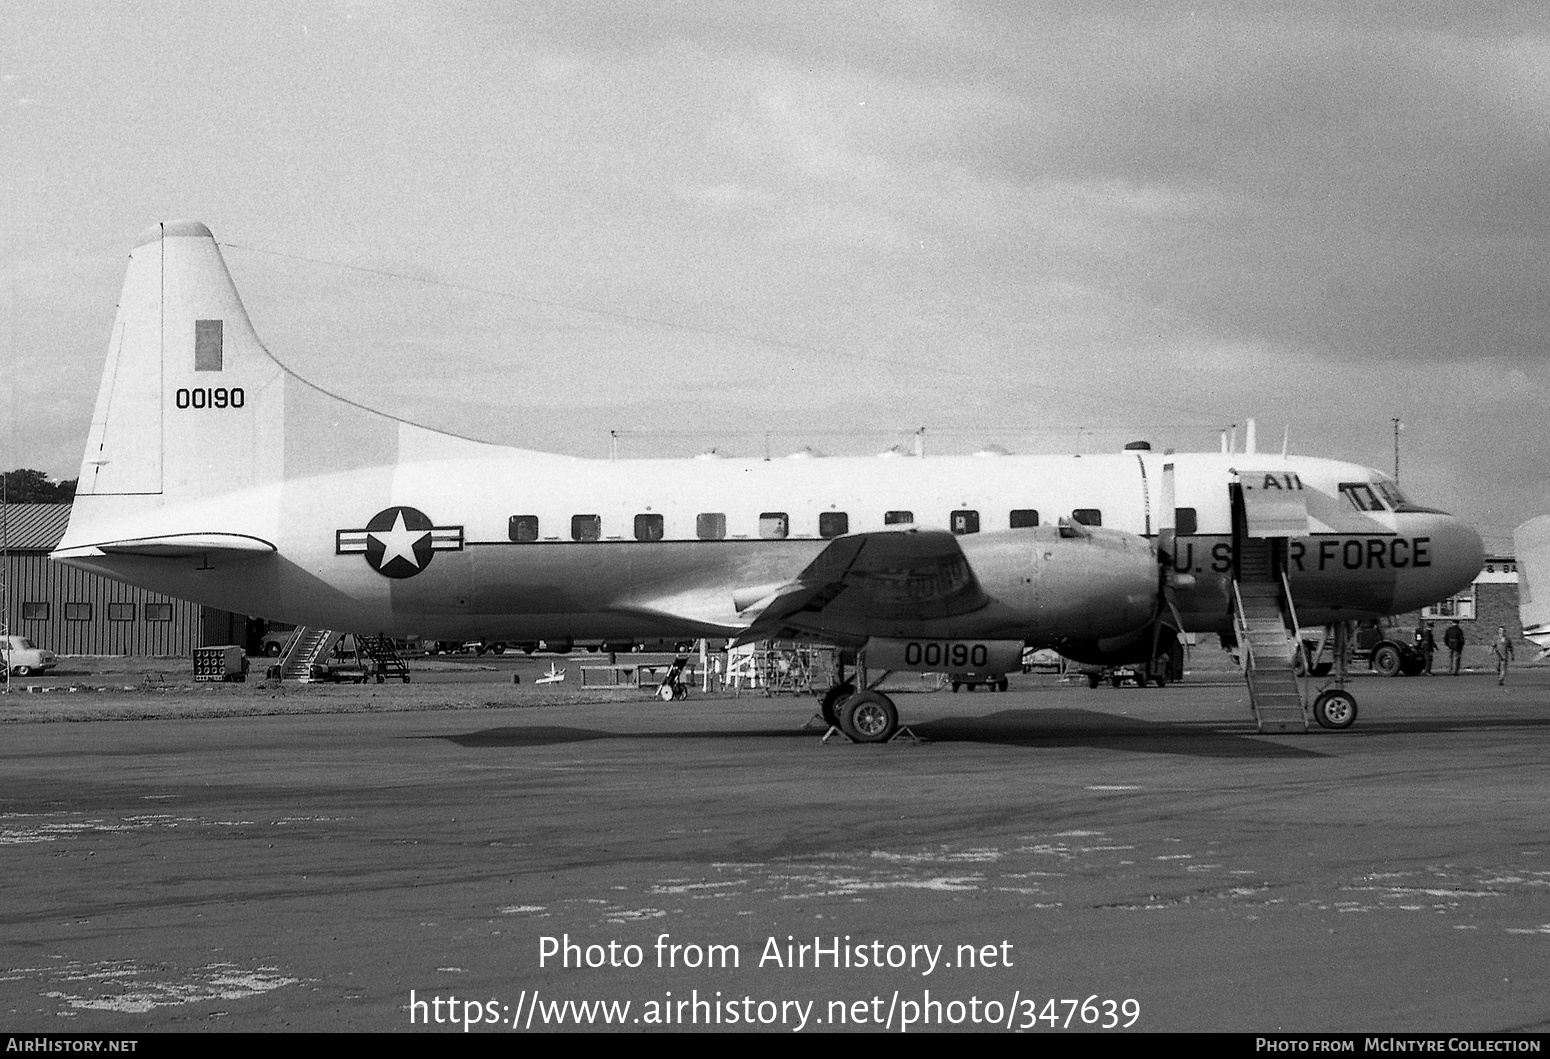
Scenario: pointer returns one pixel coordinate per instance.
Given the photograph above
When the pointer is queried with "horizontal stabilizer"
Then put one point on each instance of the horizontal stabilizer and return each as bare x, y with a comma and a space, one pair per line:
174, 546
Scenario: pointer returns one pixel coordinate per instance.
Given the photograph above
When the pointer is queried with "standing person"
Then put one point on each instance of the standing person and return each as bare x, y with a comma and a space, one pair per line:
1453, 639
1502, 650
1428, 646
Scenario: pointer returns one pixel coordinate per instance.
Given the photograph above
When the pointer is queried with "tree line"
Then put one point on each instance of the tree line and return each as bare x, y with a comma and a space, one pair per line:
26, 486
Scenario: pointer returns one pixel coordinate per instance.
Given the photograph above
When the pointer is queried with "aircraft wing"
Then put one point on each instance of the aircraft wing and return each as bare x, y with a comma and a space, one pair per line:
864, 581
175, 546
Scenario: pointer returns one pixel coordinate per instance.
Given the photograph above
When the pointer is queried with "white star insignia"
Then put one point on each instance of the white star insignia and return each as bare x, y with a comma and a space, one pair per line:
399, 542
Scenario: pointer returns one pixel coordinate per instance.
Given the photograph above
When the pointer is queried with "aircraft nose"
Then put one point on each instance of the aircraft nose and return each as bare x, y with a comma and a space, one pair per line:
1455, 553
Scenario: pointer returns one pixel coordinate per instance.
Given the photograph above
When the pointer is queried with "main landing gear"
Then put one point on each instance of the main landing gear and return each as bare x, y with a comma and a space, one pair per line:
869, 717
865, 716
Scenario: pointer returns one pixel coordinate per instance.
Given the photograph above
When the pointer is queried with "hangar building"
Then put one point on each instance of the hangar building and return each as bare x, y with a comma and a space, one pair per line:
71, 612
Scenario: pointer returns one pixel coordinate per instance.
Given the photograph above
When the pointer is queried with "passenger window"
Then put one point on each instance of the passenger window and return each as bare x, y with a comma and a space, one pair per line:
1184, 524
1087, 516
965, 522
522, 528
1024, 518
833, 524
898, 518
648, 527
710, 526
774, 525
586, 527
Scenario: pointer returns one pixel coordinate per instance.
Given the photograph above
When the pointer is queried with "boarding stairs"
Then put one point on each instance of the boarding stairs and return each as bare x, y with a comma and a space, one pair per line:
307, 650
1266, 626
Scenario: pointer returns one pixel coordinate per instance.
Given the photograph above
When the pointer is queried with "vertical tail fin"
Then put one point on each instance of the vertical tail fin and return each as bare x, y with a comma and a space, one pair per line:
183, 359
1531, 543
198, 431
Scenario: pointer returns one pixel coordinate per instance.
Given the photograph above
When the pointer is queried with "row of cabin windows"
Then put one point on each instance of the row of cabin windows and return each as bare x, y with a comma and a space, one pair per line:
776, 525
83, 612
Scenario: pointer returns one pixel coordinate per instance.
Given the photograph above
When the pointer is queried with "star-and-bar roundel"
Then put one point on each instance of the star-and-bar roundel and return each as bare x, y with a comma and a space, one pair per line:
399, 541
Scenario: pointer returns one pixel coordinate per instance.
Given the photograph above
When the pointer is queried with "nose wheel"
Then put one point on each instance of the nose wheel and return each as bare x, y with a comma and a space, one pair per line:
1335, 709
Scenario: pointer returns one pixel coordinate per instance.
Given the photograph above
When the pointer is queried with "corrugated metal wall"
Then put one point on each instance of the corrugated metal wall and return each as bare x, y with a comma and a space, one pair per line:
32, 578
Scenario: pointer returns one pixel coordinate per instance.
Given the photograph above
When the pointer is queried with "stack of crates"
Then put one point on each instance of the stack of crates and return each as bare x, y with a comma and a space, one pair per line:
220, 663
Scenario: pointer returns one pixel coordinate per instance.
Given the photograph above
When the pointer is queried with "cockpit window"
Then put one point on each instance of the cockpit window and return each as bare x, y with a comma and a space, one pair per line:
1362, 496
1398, 502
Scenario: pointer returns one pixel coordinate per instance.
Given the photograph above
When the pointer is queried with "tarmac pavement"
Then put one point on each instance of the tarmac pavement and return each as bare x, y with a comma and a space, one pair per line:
1139, 857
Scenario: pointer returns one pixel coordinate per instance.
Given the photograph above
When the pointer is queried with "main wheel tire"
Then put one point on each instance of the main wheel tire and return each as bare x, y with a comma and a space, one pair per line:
868, 717
1162, 680
1093, 680
1386, 660
498, 648
1001, 685
956, 686
829, 705
1335, 709
1116, 681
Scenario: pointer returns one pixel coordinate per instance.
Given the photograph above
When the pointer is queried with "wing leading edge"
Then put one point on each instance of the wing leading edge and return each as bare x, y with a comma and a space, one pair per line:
866, 580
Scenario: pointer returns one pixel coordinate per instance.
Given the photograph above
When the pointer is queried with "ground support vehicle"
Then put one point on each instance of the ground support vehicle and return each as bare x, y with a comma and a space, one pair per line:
993, 681
1390, 652
1165, 667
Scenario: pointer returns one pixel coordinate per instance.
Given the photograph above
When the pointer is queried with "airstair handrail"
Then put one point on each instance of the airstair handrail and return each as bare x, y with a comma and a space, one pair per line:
1240, 625
1291, 610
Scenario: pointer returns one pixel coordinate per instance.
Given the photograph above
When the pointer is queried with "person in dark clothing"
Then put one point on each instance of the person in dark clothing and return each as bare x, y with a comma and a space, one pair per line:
1453, 640
1428, 646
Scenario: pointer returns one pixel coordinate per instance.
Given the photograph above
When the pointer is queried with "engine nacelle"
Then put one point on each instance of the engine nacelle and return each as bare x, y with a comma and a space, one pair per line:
1052, 585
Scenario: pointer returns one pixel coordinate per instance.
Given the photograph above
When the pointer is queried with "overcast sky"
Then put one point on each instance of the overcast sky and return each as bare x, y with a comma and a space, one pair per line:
1053, 226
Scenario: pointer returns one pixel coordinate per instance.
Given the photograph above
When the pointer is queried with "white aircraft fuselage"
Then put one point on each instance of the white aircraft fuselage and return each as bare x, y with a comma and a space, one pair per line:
213, 473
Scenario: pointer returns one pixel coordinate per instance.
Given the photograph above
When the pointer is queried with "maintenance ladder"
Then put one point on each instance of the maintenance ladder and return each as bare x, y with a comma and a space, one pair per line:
380, 649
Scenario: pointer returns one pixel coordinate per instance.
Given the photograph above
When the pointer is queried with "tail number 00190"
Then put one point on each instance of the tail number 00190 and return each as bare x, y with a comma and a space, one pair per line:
931, 653
211, 397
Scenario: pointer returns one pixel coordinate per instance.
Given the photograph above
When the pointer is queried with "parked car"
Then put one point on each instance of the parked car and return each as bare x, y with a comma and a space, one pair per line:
24, 658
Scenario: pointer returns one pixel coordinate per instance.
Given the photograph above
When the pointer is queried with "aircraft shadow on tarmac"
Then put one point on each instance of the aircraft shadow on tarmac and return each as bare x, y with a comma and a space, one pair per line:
1029, 728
